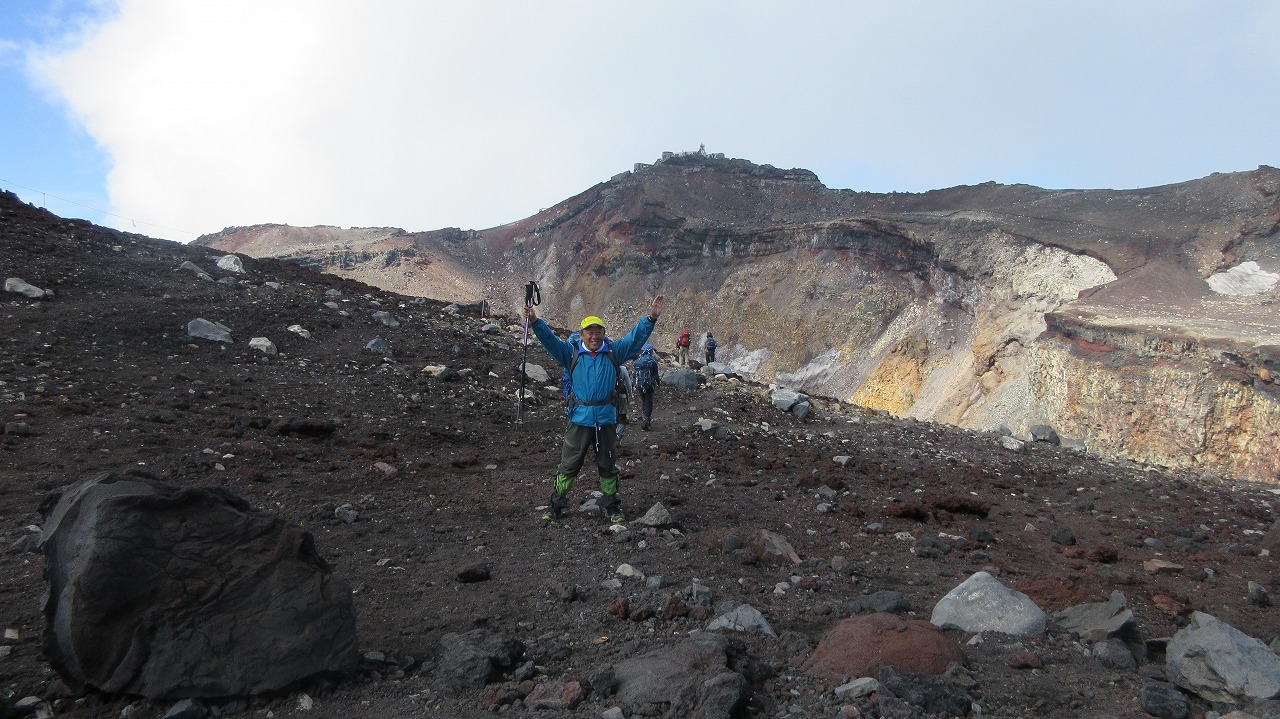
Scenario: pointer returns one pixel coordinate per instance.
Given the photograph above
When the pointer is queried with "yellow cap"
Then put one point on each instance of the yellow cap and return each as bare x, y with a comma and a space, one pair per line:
592, 320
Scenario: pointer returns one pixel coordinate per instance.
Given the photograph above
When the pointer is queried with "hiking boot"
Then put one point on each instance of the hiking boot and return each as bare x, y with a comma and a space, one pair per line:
552, 514
616, 517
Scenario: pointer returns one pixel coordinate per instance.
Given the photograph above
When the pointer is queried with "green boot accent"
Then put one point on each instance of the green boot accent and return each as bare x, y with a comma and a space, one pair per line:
564, 483
609, 485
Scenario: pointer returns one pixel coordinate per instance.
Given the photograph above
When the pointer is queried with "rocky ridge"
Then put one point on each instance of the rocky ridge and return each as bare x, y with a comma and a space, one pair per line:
981, 306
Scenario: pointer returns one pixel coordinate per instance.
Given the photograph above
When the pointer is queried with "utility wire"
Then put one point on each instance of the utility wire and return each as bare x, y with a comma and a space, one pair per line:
102, 212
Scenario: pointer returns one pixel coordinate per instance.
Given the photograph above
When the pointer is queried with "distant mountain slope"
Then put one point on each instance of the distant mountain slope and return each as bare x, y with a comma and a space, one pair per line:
1094, 311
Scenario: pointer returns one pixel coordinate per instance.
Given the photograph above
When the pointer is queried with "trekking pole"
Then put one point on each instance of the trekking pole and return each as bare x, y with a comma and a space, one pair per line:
532, 297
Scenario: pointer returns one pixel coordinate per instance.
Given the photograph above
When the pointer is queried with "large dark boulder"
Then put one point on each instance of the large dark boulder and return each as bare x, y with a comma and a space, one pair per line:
166, 592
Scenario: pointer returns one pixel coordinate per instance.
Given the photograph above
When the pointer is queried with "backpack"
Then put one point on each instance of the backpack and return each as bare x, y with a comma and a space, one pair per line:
646, 372
618, 398
711, 343
684, 340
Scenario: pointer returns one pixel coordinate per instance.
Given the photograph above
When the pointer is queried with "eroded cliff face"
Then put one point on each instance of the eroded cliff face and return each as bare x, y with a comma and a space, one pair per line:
981, 306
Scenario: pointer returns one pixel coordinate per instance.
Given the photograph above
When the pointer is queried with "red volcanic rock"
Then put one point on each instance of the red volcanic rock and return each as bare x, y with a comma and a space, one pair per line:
860, 646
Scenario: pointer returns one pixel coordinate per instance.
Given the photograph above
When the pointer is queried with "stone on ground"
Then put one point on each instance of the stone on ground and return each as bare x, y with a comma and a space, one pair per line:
166, 592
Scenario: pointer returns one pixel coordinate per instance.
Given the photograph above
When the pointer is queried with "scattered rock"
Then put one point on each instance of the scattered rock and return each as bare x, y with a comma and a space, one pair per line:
930, 693
1044, 433
1162, 699
888, 602
1220, 663
743, 618
657, 516
982, 604
19, 286
555, 695
202, 329
231, 263
702, 672
473, 659
772, 548
474, 573
861, 646
263, 345
1112, 618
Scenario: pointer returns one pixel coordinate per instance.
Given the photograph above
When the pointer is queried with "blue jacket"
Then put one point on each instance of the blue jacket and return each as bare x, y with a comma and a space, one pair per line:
593, 376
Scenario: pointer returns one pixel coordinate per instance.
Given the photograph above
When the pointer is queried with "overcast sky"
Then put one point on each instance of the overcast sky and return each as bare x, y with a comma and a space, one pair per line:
179, 117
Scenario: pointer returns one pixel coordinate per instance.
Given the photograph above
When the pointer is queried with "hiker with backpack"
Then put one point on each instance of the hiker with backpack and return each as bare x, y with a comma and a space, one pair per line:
682, 348
592, 363
711, 348
644, 373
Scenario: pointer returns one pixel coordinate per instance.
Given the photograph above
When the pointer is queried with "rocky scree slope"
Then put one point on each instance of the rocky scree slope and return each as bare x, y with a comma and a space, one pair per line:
423, 494
977, 306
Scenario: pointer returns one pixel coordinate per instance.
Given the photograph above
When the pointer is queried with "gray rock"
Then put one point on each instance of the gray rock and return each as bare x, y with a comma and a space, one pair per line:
194, 269
471, 660
1113, 617
680, 379
657, 516
379, 346
387, 319
842, 459
1220, 663
801, 409
536, 373
231, 263
300, 331
252, 607
716, 368
712, 428
19, 286
690, 679
743, 618
1013, 444
1162, 699
932, 694
202, 329
786, 399
1044, 433
861, 687
1063, 536
982, 604
263, 345
1114, 654
186, 709
884, 601
346, 513
1258, 595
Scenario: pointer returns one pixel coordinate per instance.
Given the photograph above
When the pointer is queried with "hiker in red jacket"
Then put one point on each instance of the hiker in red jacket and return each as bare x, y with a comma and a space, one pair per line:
682, 348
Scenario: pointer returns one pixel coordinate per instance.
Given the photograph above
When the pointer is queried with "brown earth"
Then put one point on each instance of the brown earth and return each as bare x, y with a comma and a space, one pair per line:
102, 377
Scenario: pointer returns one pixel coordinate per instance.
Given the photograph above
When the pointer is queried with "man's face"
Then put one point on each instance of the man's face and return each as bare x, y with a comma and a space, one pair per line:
593, 337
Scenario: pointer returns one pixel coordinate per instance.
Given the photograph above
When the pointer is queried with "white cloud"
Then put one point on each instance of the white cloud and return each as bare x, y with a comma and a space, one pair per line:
428, 114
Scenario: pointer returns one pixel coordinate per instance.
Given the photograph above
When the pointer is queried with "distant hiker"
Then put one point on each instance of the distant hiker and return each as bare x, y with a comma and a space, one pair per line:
682, 348
644, 374
711, 348
593, 363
